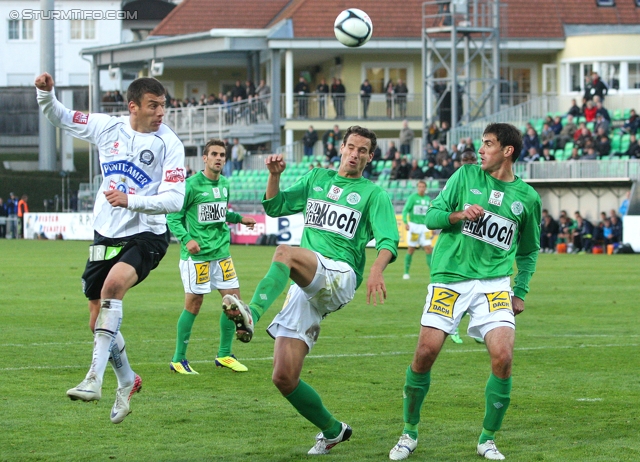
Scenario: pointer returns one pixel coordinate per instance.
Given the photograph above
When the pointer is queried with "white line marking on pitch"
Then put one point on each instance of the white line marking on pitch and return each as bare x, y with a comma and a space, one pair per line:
354, 355
589, 399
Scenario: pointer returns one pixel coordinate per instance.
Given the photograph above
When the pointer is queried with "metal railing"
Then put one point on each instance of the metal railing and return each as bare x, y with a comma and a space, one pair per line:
517, 115
578, 170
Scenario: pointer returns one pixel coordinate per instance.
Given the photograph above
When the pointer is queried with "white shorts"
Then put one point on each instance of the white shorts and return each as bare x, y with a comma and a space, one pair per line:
333, 286
201, 277
418, 235
488, 302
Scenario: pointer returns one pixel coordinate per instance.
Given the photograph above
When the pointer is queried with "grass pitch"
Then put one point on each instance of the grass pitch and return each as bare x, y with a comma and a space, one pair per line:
576, 380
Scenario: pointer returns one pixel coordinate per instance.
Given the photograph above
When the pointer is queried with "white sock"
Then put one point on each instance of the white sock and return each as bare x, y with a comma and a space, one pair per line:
120, 362
106, 329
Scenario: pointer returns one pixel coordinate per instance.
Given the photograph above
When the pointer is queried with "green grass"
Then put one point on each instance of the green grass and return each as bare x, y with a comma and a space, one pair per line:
576, 380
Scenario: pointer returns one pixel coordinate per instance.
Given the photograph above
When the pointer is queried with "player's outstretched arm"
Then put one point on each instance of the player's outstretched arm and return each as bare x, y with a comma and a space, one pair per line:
276, 165
44, 82
375, 282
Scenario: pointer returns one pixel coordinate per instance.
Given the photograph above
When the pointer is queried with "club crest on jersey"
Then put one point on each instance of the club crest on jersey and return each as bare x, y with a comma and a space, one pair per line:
225, 193
216, 193
492, 229
334, 193
331, 217
80, 118
212, 212
139, 177
496, 197
517, 208
146, 157
353, 198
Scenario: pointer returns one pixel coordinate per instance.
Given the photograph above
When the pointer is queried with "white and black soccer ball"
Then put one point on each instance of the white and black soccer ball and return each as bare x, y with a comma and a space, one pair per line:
353, 27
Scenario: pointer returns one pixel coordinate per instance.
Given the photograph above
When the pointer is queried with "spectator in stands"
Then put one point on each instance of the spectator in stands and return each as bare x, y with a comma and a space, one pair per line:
574, 110
634, 149
302, 94
390, 97
401, 92
546, 155
189, 172
602, 143
433, 132
237, 154
546, 137
447, 168
590, 153
582, 235
556, 125
331, 153
12, 213
624, 207
250, 88
3, 219
403, 169
631, 124
530, 140
582, 136
23, 207
587, 95
469, 145
442, 135
406, 138
468, 157
262, 92
365, 96
442, 155
607, 232
416, 173
598, 87
548, 234
616, 227
462, 144
565, 231
455, 154
575, 154
227, 170
431, 172
431, 150
532, 156
600, 109
590, 111
566, 134
338, 91
323, 91
333, 137
391, 152
309, 140
238, 93
377, 154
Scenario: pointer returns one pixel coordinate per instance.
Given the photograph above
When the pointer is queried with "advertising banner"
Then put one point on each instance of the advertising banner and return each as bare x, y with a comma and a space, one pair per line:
71, 226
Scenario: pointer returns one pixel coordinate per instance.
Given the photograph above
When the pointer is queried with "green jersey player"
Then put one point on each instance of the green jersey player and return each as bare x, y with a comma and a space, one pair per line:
414, 214
489, 218
342, 212
205, 262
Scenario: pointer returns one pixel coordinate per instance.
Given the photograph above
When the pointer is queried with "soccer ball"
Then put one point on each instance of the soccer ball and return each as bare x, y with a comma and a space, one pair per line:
353, 27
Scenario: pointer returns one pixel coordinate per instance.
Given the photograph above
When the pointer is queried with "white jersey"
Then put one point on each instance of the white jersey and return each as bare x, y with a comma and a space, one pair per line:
148, 167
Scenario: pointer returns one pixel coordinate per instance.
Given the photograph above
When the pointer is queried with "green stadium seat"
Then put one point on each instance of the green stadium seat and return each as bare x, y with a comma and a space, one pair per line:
590, 125
617, 114
627, 114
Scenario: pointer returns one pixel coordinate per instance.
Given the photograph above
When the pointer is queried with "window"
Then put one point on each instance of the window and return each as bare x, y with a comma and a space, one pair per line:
577, 74
83, 29
634, 75
20, 29
606, 2
379, 75
610, 74
549, 79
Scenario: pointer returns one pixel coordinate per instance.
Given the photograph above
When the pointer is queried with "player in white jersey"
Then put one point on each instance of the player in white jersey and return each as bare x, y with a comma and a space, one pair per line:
142, 164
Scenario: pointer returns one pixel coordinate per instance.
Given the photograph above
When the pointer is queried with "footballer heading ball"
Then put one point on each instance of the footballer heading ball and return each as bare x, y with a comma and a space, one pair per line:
353, 27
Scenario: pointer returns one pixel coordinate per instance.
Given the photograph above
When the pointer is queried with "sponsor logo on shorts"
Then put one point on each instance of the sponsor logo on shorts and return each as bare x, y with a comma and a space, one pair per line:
203, 274
332, 218
492, 229
442, 302
119, 167
496, 197
499, 301
175, 175
80, 118
228, 270
212, 212
334, 193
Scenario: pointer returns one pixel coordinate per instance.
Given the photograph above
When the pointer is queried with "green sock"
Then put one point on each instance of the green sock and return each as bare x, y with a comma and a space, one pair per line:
416, 387
185, 324
269, 289
429, 260
498, 397
309, 404
407, 262
227, 333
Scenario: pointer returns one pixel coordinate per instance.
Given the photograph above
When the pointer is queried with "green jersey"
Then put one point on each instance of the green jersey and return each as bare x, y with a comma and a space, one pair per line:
486, 248
204, 218
341, 215
415, 210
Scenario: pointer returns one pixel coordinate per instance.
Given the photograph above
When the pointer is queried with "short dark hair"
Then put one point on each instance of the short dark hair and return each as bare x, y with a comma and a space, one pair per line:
139, 87
364, 132
213, 142
468, 156
421, 182
507, 135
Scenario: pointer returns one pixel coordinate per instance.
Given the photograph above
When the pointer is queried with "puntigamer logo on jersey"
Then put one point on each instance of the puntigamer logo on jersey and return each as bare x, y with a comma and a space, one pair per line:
492, 229
332, 217
139, 177
212, 212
